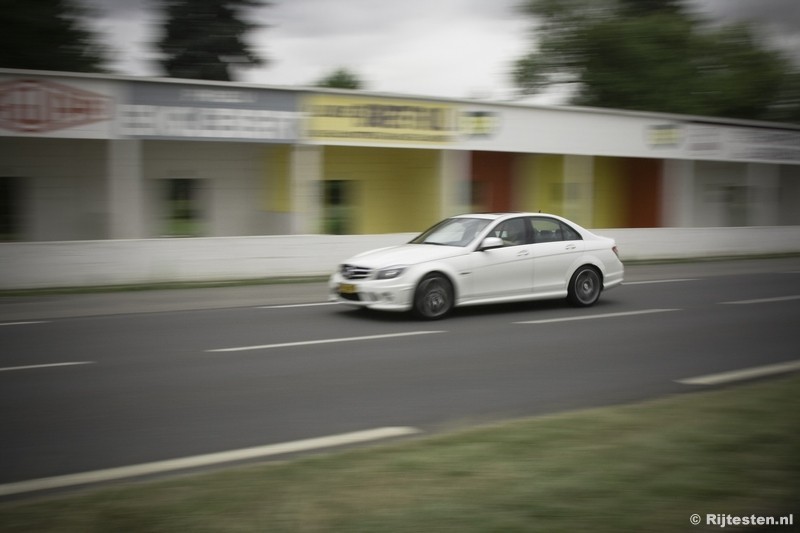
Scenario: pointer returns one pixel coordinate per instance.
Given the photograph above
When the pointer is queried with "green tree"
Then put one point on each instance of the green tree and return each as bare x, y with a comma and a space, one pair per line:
654, 55
204, 39
341, 79
48, 35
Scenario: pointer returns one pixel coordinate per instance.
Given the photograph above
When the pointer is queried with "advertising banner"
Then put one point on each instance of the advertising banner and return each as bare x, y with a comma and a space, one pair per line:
724, 143
178, 111
42, 107
374, 120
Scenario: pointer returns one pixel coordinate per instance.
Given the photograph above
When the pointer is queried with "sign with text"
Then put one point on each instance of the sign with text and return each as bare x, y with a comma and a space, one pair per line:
38, 106
379, 120
176, 111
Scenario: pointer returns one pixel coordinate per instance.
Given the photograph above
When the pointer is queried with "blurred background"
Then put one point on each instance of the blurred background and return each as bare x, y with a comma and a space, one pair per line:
147, 141
459, 49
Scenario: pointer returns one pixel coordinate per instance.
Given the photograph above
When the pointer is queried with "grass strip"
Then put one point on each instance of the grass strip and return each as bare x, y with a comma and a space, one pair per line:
641, 467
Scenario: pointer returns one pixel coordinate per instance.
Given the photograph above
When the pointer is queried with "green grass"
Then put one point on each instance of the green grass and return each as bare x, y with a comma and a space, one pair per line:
642, 467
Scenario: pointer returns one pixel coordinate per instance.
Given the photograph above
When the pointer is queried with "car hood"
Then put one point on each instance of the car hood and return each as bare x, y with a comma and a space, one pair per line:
405, 254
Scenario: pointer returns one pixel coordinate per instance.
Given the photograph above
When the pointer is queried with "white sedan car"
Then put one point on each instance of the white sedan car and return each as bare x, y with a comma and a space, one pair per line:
481, 259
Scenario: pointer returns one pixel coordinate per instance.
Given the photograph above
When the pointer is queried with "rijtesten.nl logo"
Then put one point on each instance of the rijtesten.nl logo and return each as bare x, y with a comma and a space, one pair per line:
38, 106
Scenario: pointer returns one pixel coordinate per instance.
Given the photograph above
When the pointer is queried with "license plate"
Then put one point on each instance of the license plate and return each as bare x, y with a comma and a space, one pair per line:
347, 288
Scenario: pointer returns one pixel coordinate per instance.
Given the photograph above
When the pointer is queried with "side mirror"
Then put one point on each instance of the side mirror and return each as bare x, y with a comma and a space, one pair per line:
491, 242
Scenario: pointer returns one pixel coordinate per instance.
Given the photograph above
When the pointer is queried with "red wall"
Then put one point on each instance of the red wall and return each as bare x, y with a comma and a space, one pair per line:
644, 195
492, 178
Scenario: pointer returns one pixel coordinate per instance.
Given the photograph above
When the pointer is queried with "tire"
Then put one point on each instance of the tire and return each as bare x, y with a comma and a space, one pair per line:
584, 287
433, 298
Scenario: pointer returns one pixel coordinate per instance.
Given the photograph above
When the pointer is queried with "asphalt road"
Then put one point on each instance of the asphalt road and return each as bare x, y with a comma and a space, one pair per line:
93, 382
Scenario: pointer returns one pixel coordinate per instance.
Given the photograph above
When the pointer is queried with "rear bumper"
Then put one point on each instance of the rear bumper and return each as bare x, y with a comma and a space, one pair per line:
613, 279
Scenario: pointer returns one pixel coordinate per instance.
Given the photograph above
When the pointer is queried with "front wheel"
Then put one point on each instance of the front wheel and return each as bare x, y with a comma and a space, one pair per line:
584, 287
433, 298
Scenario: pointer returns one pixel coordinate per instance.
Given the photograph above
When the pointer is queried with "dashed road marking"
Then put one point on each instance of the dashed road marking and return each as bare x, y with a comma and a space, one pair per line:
323, 341
763, 300
290, 306
48, 365
592, 317
680, 280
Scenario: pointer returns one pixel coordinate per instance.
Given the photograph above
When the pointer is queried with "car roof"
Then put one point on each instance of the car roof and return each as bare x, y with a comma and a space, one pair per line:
495, 216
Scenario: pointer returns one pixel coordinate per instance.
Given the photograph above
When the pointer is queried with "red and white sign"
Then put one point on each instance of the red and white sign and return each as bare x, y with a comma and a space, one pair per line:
39, 106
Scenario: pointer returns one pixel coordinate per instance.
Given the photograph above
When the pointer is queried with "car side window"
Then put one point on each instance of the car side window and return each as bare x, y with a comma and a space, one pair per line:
514, 232
569, 233
551, 230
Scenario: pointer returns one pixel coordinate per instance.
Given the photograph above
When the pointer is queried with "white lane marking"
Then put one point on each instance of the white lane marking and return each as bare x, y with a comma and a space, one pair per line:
290, 306
210, 459
323, 341
590, 317
659, 281
50, 365
24, 323
740, 375
763, 300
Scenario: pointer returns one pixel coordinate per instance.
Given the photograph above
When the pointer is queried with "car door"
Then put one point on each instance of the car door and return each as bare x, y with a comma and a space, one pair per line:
555, 248
506, 271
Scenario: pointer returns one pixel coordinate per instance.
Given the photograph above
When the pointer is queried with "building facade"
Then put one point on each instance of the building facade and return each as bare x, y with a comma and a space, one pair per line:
86, 157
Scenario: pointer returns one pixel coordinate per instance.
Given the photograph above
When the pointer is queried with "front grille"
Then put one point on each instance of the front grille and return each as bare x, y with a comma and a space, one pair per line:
351, 297
355, 272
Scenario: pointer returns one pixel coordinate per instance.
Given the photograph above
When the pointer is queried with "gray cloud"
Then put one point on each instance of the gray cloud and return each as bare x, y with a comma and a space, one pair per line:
777, 21
436, 47
781, 14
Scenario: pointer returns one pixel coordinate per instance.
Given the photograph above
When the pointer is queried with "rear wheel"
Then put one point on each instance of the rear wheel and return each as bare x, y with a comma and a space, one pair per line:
433, 298
584, 287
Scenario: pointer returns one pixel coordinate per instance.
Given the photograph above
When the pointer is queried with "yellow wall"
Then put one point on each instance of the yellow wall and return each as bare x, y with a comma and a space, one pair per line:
277, 192
395, 190
399, 190
610, 193
539, 184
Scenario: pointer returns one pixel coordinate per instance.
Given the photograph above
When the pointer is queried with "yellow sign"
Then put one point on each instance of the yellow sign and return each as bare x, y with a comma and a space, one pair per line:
383, 120
479, 123
664, 135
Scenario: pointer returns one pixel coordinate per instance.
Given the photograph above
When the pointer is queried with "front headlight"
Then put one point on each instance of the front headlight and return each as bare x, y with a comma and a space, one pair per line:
390, 273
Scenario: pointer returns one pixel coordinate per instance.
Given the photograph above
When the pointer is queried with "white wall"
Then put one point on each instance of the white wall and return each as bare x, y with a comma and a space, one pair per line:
704, 243
232, 179
91, 263
725, 194
64, 188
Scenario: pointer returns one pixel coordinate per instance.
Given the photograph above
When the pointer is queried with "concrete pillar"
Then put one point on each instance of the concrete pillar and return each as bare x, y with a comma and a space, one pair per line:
678, 194
763, 194
125, 190
454, 180
578, 193
789, 195
306, 169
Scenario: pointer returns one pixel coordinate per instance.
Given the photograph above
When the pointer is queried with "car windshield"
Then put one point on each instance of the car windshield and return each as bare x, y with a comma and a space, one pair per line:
453, 232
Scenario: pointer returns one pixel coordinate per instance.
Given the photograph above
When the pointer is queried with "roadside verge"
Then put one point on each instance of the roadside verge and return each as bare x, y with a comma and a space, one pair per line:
653, 466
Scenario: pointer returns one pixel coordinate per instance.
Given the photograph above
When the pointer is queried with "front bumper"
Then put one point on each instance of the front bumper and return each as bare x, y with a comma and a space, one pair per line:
384, 295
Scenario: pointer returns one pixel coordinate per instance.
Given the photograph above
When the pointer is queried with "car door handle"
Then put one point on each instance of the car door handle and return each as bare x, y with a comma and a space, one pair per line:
571, 247
523, 253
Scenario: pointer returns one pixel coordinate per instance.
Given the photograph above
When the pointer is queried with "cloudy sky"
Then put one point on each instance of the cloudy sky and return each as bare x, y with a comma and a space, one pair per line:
449, 48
